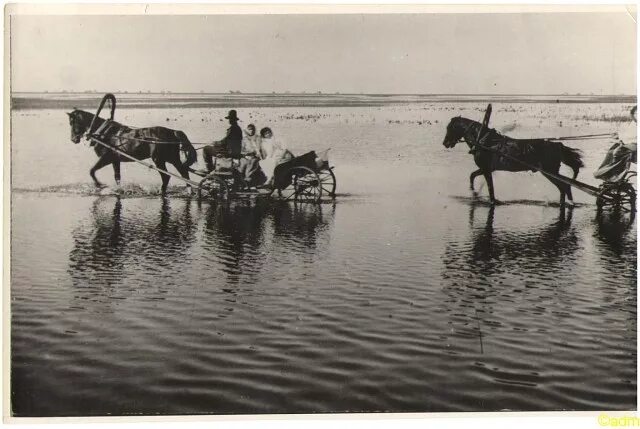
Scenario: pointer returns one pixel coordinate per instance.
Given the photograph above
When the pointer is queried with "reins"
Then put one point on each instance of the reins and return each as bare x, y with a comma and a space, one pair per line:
583, 137
482, 136
97, 133
157, 141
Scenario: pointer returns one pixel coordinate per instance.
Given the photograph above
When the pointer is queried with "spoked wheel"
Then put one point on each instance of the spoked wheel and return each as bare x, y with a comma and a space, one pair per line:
213, 187
618, 196
305, 186
328, 182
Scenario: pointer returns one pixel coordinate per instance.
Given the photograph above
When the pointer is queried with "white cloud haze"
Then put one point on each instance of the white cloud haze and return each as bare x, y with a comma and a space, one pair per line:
543, 53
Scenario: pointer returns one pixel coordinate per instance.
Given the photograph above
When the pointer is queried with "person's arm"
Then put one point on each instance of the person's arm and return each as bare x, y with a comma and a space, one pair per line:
258, 146
226, 137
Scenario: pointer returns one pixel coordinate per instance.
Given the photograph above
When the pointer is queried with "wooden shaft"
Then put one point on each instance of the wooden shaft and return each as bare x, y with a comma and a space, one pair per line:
564, 179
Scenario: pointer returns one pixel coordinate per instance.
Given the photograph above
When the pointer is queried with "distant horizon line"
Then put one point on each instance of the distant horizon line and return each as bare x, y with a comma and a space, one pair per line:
318, 93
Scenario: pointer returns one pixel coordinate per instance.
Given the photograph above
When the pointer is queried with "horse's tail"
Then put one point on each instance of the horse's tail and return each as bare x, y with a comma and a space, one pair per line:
187, 147
573, 158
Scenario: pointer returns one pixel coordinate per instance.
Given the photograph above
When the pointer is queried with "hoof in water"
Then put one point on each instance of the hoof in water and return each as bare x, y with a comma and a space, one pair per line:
108, 191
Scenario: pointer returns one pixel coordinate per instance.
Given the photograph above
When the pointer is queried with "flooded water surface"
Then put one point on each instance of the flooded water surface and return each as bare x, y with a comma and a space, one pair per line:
405, 294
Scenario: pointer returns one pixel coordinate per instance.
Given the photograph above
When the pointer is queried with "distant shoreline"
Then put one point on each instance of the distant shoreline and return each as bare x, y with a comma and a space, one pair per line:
61, 100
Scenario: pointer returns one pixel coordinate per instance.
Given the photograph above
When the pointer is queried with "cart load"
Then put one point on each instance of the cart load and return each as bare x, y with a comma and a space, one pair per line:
617, 162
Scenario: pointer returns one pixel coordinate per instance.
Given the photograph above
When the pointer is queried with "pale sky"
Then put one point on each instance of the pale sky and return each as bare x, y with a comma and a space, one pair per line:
411, 53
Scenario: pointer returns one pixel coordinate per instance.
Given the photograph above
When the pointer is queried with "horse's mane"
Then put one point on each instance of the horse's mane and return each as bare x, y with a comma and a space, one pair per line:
491, 132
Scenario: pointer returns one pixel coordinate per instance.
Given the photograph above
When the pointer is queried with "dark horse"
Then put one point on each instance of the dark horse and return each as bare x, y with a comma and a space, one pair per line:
489, 150
137, 142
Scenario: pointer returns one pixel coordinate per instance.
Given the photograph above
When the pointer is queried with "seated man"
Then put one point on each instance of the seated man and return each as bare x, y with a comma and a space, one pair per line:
230, 146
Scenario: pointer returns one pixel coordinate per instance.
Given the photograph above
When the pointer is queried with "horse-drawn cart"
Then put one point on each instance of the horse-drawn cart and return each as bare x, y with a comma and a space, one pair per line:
304, 179
615, 172
493, 151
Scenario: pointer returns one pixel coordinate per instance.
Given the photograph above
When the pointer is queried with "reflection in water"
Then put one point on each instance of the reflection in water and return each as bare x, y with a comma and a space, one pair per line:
612, 229
174, 234
98, 246
234, 235
491, 249
245, 235
497, 265
240, 237
617, 245
110, 245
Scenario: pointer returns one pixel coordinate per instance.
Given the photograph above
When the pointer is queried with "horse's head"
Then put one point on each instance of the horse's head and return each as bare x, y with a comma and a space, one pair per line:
79, 123
455, 131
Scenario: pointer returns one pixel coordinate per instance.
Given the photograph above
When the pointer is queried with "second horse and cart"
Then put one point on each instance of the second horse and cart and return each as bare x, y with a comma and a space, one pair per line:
493, 151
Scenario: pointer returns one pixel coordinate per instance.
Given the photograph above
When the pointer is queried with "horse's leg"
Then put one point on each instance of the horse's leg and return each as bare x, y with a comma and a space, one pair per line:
562, 187
473, 176
489, 179
116, 171
104, 160
184, 172
569, 196
160, 163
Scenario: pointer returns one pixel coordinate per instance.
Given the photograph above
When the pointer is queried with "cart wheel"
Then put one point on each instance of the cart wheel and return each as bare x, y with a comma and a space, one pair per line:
328, 182
214, 188
618, 196
628, 197
305, 186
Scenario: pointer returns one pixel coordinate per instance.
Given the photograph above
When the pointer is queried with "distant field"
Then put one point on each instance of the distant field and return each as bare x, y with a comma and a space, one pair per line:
87, 101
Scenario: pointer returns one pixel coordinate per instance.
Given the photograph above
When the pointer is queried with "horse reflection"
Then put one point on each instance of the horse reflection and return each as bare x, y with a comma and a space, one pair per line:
489, 270
99, 246
110, 247
244, 236
490, 250
492, 256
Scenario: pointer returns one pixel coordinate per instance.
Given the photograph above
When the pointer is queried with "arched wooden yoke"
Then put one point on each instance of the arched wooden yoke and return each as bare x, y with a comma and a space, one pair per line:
112, 103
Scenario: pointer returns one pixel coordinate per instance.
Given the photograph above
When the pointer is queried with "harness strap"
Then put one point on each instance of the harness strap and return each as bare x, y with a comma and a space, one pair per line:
103, 128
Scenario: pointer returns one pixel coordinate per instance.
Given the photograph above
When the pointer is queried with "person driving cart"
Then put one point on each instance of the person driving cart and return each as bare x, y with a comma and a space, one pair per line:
229, 147
621, 155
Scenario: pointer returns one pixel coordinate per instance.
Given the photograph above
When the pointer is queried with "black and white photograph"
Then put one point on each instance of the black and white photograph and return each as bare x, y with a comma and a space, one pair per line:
295, 210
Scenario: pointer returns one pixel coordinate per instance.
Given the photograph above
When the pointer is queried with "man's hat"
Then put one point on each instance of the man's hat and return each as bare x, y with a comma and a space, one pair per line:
232, 115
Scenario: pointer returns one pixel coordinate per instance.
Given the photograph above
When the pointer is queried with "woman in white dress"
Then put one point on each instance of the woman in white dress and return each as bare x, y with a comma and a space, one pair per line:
271, 152
249, 167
